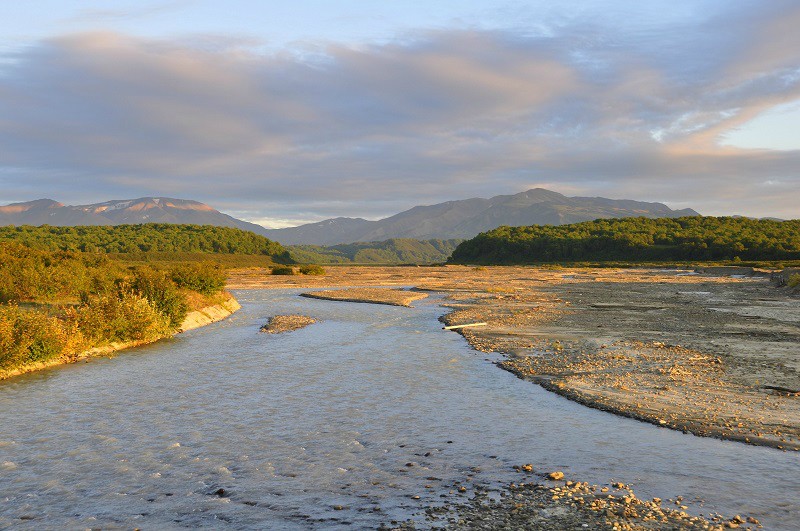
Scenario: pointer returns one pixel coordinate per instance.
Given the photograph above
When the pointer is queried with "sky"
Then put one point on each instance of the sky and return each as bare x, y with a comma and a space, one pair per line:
285, 113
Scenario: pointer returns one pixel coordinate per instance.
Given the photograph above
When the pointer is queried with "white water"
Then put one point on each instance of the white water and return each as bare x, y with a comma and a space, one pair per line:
291, 426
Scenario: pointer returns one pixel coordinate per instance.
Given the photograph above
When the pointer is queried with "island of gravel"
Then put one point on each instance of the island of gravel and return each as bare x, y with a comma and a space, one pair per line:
392, 297
278, 324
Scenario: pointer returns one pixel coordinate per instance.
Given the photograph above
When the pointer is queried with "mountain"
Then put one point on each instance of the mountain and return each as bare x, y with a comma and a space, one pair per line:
122, 212
444, 221
468, 217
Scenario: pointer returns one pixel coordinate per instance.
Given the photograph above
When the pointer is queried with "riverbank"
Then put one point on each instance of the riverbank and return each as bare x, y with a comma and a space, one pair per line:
709, 355
194, 319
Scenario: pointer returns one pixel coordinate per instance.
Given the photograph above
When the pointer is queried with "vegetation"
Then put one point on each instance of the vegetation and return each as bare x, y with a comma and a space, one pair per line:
283, 270
205, 277
144, 238
393, 251
312, 269
56, 304
794, 281
695, 238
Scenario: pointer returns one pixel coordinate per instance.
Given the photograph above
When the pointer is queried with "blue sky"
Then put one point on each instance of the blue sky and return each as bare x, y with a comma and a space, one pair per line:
284, 113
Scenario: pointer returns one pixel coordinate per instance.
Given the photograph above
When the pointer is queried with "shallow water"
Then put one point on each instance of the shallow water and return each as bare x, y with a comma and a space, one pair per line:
291, 426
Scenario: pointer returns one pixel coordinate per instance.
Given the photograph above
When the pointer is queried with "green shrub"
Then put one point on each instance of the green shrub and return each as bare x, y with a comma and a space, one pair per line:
312, 269
204, 277
121, 317
162, 292
283, 270
29, 336
794, 281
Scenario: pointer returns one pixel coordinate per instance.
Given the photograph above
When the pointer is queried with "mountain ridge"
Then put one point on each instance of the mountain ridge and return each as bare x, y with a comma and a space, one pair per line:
457, 219
461, 219
120, 212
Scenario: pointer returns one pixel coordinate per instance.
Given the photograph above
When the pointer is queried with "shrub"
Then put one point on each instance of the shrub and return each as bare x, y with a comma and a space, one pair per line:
311, 269
283, 270
161, 291
204, 277
794, 281
28, 336
121, 317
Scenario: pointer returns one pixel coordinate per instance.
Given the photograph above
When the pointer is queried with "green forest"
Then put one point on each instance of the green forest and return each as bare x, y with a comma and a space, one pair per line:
143, 238
393, 251
696, 238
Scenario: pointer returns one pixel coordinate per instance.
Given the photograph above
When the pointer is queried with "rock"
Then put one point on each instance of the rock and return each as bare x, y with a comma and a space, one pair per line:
556, 475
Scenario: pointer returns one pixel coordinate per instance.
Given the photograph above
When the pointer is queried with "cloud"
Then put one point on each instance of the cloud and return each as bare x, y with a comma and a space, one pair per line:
368, 131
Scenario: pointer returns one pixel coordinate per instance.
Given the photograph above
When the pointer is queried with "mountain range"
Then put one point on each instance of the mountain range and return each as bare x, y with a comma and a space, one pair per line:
129, 211
451, 220
468, 217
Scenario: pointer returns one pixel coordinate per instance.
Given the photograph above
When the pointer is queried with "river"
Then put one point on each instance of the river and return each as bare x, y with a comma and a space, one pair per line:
337, 425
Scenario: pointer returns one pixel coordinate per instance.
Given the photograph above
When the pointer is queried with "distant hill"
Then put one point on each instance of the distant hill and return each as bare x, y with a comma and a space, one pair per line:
469, 217
121, 212
393, 251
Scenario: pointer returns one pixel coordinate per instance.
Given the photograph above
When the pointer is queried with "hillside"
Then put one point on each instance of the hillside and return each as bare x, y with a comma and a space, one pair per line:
392, 251
468, 217
636, 239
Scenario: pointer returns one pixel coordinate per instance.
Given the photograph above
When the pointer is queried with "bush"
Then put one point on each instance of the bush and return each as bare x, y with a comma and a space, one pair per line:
120, 318
159, 289
311, 270
794, 281
283, 270
29, 336
204, 277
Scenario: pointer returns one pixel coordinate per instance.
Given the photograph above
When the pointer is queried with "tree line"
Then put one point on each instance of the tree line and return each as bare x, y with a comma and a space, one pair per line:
695, 238
148, 237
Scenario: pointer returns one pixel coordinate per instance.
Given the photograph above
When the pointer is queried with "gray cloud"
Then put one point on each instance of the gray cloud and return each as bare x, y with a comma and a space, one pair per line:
584, 108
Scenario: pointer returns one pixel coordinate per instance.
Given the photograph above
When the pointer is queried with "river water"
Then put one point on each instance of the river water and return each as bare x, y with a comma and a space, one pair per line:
339, 424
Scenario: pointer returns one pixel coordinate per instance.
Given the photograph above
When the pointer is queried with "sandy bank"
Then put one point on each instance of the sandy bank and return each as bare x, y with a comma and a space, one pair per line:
194, 319
209, 314
392, 297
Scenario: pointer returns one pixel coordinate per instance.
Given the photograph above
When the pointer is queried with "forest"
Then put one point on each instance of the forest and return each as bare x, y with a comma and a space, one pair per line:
695, 238
143, 238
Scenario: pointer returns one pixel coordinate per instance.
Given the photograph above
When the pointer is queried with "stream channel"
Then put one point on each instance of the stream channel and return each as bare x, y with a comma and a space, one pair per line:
336, 425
